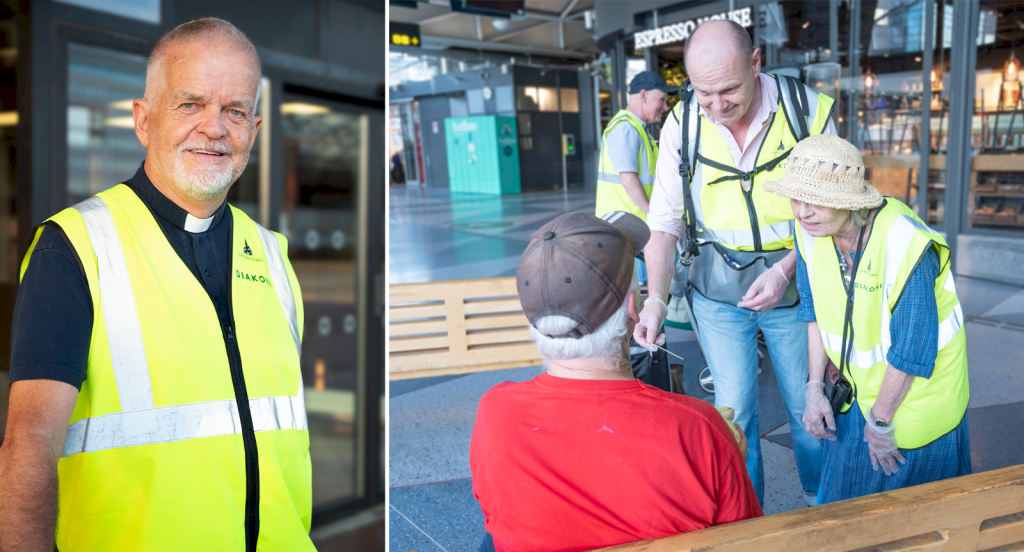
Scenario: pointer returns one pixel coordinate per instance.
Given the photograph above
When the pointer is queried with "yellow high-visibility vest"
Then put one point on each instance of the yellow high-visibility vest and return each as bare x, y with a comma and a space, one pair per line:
898, 240
611, 194
160, 453
725, 213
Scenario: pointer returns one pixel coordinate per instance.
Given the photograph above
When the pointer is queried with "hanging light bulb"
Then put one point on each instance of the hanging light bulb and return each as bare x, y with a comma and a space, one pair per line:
870, 80
1011, 69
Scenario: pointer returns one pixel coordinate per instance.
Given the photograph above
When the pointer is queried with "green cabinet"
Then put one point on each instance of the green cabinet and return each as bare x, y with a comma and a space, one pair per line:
483, 154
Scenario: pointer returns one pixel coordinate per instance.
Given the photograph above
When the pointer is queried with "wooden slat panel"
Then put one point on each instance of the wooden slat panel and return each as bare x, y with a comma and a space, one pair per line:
494, 305
491, 321
432, 291
405, 344
418, 311
451, 371
484, 357
990, 162
488, 337
396, 329
1004, 530
955, 508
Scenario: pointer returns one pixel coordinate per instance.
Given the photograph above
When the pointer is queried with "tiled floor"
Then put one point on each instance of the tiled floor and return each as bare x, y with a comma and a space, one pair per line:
436, 236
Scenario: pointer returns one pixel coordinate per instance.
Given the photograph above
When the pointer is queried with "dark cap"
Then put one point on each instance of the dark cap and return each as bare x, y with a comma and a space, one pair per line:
580, 266
649, 80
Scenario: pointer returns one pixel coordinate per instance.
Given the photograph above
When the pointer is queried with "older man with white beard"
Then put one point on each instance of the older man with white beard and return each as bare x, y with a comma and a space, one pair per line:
156, 339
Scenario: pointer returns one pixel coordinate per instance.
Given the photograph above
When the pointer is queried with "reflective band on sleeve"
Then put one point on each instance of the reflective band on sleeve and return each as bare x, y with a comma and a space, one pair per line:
279, 276
859, 359
127, 351
181, 422
614, 178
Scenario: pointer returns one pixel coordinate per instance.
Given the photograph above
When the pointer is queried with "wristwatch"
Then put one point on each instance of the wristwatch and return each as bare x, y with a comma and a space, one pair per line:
876, 422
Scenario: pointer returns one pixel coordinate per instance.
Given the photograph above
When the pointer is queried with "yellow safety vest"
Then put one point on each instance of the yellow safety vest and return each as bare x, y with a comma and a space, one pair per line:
611, 194
897, 242
155, 456
725, 213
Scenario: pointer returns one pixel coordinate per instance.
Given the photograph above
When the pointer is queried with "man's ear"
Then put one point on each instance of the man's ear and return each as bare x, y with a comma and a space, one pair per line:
631, 308
756, 61
140, 113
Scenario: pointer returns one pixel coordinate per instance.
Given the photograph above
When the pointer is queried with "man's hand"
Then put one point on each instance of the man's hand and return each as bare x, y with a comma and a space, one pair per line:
635, 190
818, 412
36, 426
766, 291
651, 319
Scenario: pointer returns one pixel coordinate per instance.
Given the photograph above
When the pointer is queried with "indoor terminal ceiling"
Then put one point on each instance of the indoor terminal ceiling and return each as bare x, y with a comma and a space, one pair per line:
553, 28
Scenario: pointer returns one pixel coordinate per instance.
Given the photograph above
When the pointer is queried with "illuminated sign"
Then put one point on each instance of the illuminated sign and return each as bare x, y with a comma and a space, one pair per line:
678, 32
404, 34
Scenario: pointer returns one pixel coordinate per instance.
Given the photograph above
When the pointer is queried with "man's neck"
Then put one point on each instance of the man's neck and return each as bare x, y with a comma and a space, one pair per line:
739, 128
635, 110
586, 369
198, 209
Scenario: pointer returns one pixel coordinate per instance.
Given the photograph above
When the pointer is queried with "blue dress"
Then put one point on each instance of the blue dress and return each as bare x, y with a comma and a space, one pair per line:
846, 470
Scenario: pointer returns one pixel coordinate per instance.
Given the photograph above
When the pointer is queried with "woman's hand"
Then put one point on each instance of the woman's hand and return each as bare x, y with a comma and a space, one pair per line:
818, 412
882, 446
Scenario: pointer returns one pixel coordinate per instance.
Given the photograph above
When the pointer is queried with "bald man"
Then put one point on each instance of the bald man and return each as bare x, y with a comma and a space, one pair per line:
156, 397
746, 262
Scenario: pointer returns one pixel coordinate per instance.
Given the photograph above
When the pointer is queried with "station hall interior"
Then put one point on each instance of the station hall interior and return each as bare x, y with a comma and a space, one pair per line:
495, 122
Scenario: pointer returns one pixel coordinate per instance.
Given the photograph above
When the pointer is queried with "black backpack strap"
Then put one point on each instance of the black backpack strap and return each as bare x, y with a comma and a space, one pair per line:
686, 172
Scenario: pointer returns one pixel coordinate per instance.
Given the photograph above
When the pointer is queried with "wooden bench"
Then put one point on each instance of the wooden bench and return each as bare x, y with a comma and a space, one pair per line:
984, 512
457, 327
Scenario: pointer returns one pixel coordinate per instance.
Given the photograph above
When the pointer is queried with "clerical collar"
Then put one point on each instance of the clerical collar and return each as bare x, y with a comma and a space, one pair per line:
167, 209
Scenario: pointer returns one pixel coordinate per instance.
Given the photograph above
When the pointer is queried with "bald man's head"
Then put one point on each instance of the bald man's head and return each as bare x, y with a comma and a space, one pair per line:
717, 38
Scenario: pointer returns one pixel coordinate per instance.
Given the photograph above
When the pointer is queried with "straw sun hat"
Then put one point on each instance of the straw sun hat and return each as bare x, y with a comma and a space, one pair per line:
827, 171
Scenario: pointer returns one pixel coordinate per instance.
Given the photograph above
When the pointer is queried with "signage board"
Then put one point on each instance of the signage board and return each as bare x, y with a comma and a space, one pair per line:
678, 32
404, 34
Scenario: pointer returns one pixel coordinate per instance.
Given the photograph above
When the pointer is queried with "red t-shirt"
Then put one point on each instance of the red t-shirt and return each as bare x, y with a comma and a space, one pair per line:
564, 464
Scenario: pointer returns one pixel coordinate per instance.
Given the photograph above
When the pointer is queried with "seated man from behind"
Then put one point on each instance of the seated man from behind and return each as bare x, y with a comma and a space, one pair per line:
585, 456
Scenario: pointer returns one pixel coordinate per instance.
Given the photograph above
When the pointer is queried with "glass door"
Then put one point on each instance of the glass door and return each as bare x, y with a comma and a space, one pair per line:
323, 215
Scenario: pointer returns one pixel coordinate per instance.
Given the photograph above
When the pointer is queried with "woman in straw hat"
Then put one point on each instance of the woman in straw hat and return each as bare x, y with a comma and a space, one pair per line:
878, 295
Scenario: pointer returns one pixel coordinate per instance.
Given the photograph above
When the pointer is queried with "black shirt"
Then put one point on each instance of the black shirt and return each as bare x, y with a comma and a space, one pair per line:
52, 328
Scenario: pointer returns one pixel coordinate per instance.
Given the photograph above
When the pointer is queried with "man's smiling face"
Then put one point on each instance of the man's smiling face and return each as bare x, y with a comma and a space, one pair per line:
200, 124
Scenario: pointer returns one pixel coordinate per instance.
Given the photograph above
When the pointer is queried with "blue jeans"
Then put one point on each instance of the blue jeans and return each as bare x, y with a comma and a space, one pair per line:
728, 337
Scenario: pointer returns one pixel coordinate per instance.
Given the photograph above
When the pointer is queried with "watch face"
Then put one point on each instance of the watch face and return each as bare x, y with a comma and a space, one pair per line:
880, 423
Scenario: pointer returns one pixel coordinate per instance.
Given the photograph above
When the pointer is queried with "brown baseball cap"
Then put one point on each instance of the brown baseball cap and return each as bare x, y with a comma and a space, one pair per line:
580, 266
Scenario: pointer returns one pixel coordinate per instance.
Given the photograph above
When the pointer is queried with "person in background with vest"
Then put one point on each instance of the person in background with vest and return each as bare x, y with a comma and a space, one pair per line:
876, 280
157, 401
629, 153
741, 132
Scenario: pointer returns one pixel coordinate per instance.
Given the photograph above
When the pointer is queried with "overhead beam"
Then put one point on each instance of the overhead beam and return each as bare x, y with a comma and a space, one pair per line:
437, 18
441, 42
517, 32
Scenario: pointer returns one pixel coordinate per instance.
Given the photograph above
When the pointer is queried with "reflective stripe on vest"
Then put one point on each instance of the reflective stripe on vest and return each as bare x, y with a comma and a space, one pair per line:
645, 179
139, 422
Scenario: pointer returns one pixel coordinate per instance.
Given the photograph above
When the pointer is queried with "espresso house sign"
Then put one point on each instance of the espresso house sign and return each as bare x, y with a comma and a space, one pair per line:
678, 32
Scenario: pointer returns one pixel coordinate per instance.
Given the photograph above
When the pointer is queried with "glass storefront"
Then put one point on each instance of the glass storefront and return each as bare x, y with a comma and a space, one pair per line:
326, 156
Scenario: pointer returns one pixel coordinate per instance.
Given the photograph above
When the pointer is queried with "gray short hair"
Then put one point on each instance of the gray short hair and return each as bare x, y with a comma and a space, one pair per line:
604, 344
199, 29
859, 217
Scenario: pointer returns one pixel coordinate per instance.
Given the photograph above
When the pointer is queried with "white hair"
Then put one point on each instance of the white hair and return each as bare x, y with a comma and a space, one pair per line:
199, 29
605, 345
859, 217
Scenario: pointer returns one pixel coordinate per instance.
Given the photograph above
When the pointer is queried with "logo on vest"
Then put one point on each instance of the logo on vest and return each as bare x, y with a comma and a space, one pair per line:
246, 253
868, 269
251, 278
781, 146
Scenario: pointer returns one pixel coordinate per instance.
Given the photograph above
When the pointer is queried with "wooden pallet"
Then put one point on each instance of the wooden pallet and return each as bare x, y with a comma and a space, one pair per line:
457, 327
983, 512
